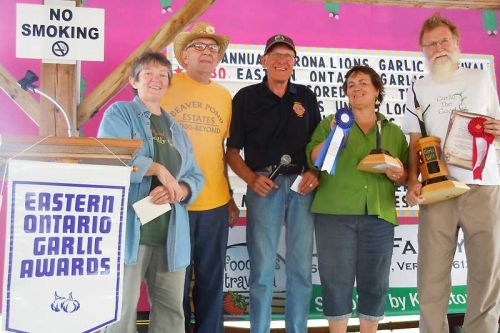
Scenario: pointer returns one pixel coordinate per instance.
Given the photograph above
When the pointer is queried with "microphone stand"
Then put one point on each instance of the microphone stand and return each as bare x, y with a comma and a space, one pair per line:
26, 83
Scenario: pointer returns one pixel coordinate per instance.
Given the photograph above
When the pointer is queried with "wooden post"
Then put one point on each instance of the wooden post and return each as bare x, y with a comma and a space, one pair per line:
60, 82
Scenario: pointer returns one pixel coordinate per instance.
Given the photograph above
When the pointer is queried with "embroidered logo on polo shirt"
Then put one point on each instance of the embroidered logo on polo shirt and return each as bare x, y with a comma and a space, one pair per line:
298, 109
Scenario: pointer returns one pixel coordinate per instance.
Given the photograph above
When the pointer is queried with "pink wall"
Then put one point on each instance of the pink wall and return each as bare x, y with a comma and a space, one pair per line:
128, 23
246, 22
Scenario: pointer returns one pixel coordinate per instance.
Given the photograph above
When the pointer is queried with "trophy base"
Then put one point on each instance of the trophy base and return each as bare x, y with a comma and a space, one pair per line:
443, 190
377, 163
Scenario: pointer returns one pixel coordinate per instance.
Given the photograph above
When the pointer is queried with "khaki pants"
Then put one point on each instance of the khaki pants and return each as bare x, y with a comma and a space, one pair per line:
477, 213
165, 291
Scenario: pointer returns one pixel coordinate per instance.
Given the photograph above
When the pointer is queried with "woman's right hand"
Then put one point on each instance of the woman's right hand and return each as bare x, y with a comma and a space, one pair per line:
332, 123
159, 195
172, 188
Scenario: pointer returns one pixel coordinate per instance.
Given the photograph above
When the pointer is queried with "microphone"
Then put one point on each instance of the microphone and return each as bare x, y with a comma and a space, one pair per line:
284, 161
27, 81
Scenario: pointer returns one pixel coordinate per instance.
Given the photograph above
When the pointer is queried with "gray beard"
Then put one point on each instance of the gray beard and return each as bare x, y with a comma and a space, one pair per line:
443, 70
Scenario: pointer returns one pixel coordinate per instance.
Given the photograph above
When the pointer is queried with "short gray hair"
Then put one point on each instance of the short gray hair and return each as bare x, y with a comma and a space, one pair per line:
146, 58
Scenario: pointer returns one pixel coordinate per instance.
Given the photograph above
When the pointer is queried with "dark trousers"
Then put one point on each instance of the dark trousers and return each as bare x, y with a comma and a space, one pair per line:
209, 230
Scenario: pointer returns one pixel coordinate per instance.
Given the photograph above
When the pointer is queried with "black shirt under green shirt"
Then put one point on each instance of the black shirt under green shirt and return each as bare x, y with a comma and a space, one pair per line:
155, 232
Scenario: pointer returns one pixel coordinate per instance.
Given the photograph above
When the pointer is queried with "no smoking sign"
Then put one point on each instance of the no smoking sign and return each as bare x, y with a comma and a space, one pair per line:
59, 33
60, 48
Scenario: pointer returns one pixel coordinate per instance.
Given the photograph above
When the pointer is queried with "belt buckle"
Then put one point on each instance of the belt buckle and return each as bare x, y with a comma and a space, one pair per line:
265, 171
285, 170
292, 169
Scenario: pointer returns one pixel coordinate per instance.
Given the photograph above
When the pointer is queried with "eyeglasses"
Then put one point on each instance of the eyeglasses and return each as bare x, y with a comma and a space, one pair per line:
275, 56
443, 42
199, 46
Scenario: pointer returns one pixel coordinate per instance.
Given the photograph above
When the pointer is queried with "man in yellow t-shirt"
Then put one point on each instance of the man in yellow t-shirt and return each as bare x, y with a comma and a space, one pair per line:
203, 108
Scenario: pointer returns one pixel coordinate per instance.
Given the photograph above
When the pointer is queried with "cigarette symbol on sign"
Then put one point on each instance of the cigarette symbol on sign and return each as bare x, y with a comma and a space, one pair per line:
60, 48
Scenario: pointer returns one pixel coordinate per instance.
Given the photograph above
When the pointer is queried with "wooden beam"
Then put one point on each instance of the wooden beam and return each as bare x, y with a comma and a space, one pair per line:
23, 99
157, 42
448, 4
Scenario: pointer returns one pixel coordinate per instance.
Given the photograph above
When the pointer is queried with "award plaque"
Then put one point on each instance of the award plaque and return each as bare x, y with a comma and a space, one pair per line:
378, 159
436, 186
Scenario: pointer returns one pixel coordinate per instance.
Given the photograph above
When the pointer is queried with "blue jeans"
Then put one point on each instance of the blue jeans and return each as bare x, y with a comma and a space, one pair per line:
265, 216
354, 247
209, 230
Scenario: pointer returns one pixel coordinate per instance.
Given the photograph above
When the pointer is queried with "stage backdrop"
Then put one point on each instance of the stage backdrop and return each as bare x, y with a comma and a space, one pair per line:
338, 34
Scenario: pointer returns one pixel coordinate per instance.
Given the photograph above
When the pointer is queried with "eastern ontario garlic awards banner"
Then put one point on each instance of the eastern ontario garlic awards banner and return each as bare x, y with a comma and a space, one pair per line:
64, 242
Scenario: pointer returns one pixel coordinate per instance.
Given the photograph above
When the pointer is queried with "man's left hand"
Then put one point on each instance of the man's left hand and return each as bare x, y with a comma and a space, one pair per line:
233, 212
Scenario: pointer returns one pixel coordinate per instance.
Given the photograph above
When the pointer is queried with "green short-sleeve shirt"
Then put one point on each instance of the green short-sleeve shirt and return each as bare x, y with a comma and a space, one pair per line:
351, 191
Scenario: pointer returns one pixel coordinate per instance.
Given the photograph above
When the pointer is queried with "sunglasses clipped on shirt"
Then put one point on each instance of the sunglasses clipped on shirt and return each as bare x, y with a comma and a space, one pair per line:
199, 46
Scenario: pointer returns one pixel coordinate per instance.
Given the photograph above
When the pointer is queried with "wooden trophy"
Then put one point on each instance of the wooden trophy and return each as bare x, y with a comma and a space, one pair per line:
378, 159
436, 186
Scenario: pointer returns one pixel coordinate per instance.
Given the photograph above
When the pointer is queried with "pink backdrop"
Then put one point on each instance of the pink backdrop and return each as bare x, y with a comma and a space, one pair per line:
128, 23
246, 22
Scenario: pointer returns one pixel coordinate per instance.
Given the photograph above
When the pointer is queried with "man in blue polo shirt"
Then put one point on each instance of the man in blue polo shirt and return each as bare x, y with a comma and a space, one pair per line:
270, 120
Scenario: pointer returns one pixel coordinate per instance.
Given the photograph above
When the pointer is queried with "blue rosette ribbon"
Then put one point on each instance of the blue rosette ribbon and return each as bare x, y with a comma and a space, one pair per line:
336, 141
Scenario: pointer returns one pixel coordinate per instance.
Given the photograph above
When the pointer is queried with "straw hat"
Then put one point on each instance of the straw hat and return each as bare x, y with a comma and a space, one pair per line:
199, 30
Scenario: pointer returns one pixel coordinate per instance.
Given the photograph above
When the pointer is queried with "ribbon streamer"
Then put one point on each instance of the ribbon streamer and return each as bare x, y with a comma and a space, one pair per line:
481, 142
335, 142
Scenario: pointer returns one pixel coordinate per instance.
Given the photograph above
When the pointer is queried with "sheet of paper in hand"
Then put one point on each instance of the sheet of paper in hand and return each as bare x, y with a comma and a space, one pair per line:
148, 211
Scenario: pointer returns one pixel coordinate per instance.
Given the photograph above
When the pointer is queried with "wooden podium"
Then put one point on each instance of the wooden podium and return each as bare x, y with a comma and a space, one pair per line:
68, 149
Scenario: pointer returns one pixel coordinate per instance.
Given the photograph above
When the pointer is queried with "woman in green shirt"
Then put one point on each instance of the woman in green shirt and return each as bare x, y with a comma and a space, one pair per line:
355, 210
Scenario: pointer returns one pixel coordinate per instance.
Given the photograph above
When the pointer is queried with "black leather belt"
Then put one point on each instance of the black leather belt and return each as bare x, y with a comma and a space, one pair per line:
293, 169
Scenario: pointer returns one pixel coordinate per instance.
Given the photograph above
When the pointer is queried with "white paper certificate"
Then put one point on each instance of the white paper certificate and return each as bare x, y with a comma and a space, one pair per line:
147, 211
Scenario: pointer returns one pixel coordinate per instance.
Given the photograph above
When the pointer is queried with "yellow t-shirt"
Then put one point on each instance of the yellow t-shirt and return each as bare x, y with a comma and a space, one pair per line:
204, 111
